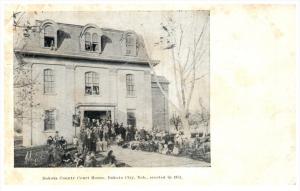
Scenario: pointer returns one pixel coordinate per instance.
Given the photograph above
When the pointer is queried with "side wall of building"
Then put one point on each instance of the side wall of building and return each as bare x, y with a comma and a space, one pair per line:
160, 107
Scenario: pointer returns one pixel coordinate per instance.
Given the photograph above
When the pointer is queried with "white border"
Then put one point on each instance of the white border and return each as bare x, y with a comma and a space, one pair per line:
1, 95
219, 187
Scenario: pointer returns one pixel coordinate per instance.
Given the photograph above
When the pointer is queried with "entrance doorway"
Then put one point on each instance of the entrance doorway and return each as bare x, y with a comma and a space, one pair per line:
97, 115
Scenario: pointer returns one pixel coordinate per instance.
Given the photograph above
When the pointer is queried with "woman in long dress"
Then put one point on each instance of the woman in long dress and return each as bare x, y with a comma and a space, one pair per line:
104, 145
99, 145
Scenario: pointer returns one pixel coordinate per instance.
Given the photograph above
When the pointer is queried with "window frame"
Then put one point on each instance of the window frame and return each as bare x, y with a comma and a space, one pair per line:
49, 81
95, 42
87, 42
130, 44
50, 119
92, 80
46, 35
43, 34
130, 85
95, 45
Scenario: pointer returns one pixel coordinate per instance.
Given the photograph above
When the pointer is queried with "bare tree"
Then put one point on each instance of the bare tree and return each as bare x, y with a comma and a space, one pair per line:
205, 117
188, 52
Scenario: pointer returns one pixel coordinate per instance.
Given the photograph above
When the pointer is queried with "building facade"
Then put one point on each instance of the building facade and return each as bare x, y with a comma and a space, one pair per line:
92, 72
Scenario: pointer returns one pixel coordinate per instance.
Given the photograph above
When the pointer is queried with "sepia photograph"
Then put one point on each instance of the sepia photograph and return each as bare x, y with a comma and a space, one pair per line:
140, 95
111, 89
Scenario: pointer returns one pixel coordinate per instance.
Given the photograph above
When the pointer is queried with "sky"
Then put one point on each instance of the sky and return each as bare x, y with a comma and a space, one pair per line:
148, 24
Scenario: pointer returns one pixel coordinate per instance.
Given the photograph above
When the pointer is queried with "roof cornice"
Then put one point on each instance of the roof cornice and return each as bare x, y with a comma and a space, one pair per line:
83, 57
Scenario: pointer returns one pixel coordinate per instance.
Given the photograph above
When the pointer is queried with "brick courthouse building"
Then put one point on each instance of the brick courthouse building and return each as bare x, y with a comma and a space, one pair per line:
92, 72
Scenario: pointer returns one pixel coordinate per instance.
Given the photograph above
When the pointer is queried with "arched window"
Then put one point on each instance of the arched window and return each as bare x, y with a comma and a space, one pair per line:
130, 85
90, 38
130, 44
49, 36
88, 45
91, 83
49, 81
95, 42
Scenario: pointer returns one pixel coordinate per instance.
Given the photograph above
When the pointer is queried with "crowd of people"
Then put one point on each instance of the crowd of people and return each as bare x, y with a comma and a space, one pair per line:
169, 144
97, 135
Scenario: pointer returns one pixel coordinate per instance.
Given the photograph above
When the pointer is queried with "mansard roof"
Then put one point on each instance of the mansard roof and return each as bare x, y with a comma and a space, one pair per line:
68, 44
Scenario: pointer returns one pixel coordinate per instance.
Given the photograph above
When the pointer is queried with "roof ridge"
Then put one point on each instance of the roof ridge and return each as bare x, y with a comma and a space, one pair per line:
81, 26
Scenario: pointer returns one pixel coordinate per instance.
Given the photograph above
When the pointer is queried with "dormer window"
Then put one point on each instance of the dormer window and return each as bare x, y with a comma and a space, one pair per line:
129, 43
90, 38
49, 36
91, 44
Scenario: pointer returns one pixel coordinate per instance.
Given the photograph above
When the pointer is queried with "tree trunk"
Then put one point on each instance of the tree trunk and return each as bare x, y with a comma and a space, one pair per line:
206, 131
185, 125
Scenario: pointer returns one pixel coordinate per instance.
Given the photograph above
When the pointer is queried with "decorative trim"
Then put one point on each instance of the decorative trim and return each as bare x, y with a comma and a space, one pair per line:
87, 26
96, 105
97, 31
56, 55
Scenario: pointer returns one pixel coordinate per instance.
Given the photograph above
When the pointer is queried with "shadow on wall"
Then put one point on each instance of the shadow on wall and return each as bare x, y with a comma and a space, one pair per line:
61, 37
104, 41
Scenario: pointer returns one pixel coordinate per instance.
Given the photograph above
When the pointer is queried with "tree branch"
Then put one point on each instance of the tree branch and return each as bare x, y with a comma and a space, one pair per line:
179, 98
194, 65
180, 41
156, 79
187, 59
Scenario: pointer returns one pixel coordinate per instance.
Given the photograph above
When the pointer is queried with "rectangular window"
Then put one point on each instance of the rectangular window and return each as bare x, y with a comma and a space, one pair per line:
131, 120
49, 81
49, 121
91, 83
130, 85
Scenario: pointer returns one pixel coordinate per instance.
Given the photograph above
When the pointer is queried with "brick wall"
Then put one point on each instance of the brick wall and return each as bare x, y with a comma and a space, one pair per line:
160, 109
